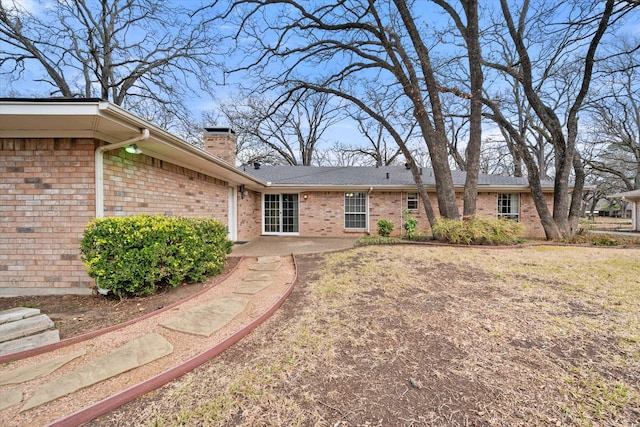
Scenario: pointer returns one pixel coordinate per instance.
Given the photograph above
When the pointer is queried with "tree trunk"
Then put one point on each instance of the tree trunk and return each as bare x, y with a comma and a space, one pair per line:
434, 133
472, 38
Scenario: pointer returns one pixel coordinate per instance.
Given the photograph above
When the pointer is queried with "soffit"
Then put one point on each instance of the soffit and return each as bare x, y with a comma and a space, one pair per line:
58, 118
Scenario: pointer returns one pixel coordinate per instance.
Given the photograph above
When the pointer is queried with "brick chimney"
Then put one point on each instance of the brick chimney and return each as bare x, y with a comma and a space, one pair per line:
221, 142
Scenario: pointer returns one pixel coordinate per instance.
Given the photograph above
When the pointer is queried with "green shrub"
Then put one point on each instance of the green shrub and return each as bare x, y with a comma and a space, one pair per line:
478, 231
133, 255
385, 227
411, 227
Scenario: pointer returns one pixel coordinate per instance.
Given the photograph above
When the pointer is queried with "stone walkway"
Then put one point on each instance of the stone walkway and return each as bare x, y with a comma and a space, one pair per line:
74, 382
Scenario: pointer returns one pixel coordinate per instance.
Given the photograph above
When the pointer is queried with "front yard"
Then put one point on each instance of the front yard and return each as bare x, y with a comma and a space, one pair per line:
428, 335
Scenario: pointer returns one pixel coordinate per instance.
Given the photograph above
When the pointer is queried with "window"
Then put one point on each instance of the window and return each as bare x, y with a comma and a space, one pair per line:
355, 210
412, 201
509, 206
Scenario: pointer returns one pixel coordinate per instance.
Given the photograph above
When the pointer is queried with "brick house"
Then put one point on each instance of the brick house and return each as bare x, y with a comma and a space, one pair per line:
342, 201
64, 162
633, 197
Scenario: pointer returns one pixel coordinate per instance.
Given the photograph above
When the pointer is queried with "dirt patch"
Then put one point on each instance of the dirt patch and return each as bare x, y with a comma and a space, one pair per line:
74, 315
421, 336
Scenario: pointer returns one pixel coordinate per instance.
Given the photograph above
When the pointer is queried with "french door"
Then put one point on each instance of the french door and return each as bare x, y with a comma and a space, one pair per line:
280, 214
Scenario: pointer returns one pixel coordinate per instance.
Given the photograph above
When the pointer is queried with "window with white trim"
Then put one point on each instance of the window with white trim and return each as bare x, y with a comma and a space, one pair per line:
355, 211
412, 201
509, 206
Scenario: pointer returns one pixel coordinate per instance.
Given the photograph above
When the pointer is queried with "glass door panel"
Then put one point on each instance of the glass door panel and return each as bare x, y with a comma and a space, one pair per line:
281, 213
271, 213
290, 213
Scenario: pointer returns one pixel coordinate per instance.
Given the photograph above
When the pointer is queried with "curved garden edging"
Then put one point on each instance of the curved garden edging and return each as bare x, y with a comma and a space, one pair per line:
114, 401
87, 336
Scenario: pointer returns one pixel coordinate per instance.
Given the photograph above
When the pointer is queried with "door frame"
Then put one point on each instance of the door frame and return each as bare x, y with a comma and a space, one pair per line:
281, 215
232, 214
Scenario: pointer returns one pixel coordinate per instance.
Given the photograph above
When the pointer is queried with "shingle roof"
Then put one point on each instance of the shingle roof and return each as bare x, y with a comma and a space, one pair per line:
392, 176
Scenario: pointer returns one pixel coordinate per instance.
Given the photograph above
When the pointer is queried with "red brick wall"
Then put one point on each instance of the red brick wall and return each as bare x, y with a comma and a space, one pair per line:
221, 143
46, 200
47, 197
135, 184
249, 216
322, 213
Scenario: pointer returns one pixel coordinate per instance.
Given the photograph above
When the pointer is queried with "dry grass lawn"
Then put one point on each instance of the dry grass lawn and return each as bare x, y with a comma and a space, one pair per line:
428, 335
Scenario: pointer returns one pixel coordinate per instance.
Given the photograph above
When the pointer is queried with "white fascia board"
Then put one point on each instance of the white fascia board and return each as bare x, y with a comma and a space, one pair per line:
22, 118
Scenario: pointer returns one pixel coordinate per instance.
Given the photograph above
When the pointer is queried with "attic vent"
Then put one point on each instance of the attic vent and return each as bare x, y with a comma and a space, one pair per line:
256, 165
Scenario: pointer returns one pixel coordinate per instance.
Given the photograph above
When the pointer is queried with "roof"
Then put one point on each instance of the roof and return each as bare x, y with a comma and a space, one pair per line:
631, 195
100, 119
384, 177
96, 118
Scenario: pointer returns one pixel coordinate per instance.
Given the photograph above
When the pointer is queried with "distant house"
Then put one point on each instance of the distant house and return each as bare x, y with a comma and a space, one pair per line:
633, 197
64, 162
338, 201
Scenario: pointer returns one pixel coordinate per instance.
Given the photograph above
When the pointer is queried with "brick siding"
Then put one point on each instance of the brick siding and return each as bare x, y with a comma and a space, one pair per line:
135, 184
47, 197
249, 216
221, 143
322, 213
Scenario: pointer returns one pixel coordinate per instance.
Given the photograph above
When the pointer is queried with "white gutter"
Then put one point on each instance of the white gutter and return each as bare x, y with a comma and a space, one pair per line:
99, 165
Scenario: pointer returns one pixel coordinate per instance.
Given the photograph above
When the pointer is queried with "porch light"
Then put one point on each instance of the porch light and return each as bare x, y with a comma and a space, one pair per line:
133, 149
305, 196
243, 192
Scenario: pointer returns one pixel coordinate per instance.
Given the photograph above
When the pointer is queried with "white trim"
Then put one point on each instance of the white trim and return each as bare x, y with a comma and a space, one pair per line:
366, 228
280, 213
99, 167
232, 221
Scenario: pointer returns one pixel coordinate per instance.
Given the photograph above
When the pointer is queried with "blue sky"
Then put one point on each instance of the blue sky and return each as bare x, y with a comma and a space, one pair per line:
345, 131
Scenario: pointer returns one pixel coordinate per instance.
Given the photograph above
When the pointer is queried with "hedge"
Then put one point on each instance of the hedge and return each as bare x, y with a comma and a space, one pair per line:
134, 255
477, 230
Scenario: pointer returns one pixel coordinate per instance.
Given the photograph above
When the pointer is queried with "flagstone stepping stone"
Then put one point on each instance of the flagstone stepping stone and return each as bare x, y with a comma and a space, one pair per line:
18, 313
264, 266
23, 327
207, 318
10, 398
257, 277
268, 259
19, 344
251, 287
131, 355
29, 372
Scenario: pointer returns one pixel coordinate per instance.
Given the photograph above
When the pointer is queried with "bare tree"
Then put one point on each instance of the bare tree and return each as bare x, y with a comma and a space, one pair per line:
349, 48
613, 142
141, 54
468, 25
382, 148
282, 132
545, 48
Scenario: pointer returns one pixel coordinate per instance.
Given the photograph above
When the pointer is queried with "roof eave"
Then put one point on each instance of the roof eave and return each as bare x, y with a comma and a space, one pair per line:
99, 119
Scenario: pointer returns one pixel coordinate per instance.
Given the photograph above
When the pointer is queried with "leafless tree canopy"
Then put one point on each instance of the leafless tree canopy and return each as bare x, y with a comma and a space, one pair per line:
415, 76
548, 53
357, 50
144, 55
526, 65
284, 132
